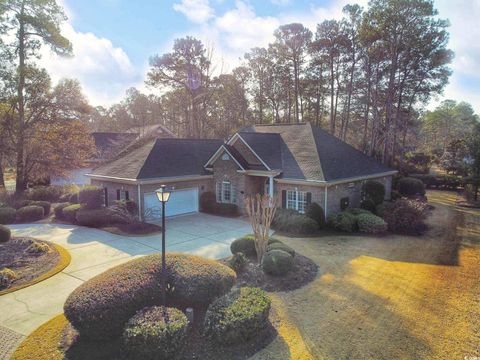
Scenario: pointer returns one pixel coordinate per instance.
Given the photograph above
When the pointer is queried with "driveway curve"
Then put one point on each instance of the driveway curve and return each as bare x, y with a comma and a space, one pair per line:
94, 251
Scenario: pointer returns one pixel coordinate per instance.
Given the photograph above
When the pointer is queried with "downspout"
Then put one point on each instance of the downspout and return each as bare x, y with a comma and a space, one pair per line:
139, 203
326, 202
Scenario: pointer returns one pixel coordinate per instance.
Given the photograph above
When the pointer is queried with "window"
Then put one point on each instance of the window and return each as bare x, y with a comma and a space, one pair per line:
122, 195
225, 156
297, 200
226, 192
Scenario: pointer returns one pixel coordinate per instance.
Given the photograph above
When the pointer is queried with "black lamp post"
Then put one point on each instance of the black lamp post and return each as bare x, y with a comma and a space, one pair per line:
163, 195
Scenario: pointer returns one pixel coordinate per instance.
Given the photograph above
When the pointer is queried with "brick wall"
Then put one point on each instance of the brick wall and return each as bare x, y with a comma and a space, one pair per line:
318, 192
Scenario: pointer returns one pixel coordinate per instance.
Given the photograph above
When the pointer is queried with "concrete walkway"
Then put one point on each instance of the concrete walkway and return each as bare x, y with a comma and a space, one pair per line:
94, 251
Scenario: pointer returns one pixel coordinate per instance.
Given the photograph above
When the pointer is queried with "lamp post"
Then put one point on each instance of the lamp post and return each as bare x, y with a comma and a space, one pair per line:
163, 195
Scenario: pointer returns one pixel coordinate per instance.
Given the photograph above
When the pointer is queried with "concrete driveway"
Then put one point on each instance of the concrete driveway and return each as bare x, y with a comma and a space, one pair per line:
94, 251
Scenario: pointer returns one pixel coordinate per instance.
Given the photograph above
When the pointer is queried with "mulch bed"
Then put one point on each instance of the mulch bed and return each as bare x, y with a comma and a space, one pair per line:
26, 266
196, 347
304, 271
138, 229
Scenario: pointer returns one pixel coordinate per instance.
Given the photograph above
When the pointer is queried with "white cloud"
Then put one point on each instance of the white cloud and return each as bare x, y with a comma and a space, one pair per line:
197, 11
105, 71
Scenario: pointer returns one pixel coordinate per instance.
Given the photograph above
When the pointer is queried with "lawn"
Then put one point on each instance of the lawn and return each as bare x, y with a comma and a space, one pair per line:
387, 298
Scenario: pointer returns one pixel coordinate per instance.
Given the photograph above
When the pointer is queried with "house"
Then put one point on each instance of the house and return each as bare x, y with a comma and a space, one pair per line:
108, 145
299, 163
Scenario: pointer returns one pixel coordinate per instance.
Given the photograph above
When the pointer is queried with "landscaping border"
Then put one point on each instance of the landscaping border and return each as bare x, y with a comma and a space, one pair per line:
64, 261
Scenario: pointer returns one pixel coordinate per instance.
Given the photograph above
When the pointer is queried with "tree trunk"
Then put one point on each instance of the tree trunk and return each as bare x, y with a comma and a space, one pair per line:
332, 98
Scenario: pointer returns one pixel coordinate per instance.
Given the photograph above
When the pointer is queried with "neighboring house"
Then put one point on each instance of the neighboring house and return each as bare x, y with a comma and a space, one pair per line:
108, 145
299, 163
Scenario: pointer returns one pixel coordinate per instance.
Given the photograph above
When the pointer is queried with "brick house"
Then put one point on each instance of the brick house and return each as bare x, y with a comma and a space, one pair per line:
299, 163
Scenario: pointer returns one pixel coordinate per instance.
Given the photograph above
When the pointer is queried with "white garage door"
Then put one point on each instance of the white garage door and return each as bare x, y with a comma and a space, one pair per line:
181, 202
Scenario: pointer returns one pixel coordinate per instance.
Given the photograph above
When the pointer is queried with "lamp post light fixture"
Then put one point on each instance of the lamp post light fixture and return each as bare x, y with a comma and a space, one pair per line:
163, 195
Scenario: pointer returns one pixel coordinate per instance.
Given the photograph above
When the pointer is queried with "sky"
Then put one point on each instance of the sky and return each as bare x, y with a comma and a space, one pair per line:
114, 39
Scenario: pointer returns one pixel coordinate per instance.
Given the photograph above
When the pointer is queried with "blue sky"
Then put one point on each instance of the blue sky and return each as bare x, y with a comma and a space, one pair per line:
113, 39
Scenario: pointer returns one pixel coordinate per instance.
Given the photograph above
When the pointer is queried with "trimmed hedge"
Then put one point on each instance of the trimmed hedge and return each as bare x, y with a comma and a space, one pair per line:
405, 217
292, 222
315, 212
238, 316
371, 224
374, 191
245, 245
30, 213
97, 218
5, 234
277, 262
69, 213
101, 306
368, 205
44, 204
152, 335
343, 221
92, 197
58, 210
50, 193
7, 215
408, 186
7, 276
281, 246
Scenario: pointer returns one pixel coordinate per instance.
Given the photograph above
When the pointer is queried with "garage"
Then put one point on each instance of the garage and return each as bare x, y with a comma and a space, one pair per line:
183, 201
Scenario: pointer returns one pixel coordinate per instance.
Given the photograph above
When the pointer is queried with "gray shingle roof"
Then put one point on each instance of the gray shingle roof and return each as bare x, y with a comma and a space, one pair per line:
162, 158
310, 153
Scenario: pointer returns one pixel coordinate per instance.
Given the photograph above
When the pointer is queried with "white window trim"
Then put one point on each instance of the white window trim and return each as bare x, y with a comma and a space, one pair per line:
222, 188
293, 200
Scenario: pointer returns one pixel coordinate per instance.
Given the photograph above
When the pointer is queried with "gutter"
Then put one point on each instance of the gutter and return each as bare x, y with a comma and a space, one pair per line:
323, 183
148, 181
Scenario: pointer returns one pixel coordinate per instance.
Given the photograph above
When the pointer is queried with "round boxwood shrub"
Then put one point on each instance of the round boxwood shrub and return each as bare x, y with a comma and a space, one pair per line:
7, 276
44, 204
368, 205
69, 213
7, 215
408, 186
58, 210
374, 191
315, 212
238, 261
344, 221
99, 217
245, 245
294, 223
281, 246
277, 262
5, 234
155, 333
101, 306
371, 224
30, 213
237, 316
405, 217
92, 197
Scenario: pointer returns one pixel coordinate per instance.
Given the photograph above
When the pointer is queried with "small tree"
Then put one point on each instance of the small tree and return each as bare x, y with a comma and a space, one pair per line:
261, 211
473, 146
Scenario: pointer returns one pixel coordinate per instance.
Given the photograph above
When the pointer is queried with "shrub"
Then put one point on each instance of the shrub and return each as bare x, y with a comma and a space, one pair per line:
152, 335
277, 262
129, 206
245, 245
357, 211
292, 222
226, 209
395, 195
69, 213
374, 191
380, 209
405, 217
5, 234
30, 213
97, 218
21, 203
92, 197
7, 276
37, 247
410, 187
371, 224
7, 215
70, 198
101, 306
58, 210
281, 246
344, 203
343, 221
44, 204
208, 201
238, 261
368, 205
237, 316
315, 212
427, 179
45, 193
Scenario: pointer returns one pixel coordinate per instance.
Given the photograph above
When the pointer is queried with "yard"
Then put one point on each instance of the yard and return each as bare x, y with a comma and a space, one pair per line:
387, 298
